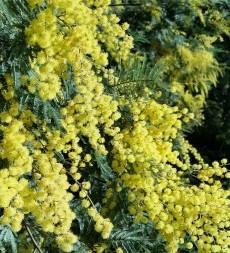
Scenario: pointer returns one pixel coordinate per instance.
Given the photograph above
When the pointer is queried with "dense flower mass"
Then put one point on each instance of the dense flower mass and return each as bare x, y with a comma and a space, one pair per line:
160, 191
72, 149
68, 33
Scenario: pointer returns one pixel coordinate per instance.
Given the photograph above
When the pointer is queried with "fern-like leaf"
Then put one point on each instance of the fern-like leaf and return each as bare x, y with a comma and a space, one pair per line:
134, 77
137, 238
103, 165
8, 243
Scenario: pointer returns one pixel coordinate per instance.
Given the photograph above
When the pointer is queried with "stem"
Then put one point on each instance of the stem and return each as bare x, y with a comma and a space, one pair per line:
32, 238
88, 197
90, 200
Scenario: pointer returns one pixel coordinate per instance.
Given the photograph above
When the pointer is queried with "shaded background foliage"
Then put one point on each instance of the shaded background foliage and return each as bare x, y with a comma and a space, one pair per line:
213, 137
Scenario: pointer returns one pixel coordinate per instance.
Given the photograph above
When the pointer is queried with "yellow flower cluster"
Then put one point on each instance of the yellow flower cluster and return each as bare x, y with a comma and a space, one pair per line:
91, 107
208, 173
200, 71
99, 248
119, 250
103, 226
49, 201
154, 126
160, 189
73, 32
203, 61
17, 162
191, 66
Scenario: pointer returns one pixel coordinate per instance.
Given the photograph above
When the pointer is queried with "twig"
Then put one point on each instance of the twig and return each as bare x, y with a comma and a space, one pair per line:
87, 196
33, 239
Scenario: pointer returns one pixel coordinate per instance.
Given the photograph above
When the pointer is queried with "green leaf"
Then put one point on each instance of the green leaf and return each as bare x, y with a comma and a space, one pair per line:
82, 217
16, 78
137, 238
134, 77
103, 165
46, 110
8, 242
68, 86
80, 247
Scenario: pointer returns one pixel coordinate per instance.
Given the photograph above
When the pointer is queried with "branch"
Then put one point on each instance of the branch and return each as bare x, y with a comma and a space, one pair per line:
32, 238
